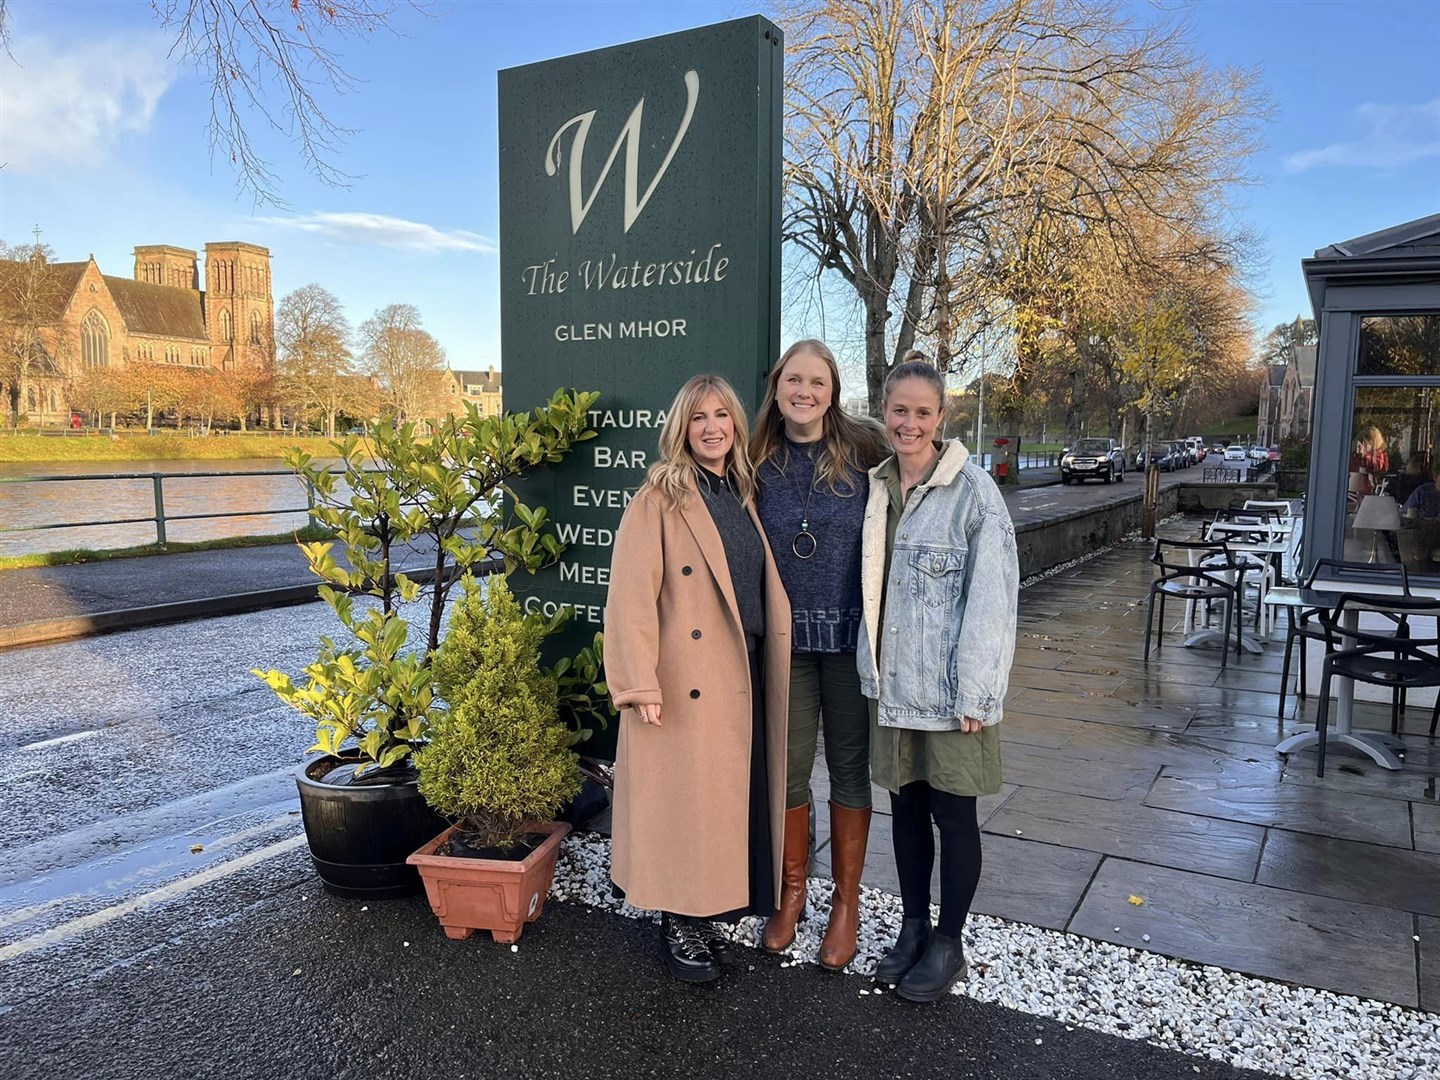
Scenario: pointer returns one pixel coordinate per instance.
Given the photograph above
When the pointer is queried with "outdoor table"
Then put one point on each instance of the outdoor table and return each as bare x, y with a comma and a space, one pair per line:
1283, 527
1379, 745
1211, 636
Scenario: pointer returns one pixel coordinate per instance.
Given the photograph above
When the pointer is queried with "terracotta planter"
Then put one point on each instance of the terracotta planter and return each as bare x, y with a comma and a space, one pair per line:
489, 894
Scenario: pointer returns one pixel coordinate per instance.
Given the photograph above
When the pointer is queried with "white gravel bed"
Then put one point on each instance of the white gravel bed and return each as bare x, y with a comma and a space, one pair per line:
1203, 1011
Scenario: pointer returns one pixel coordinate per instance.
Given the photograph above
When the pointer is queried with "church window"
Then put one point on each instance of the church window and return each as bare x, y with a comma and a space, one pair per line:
227, 327
254, 328
95, 341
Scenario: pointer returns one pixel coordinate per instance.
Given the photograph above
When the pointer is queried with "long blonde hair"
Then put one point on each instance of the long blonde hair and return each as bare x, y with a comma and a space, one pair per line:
848, 446
677, 473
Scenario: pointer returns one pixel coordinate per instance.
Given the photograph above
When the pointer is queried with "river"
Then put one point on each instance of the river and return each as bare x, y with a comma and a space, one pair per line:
27, 505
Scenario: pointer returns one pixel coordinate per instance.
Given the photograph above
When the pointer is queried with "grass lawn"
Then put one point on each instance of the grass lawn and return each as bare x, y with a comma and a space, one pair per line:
85, 555
142, 447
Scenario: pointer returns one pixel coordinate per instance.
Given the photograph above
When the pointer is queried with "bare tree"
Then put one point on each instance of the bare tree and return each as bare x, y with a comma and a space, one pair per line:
944, 154
33, 341
270, 64
407, 363
312, 336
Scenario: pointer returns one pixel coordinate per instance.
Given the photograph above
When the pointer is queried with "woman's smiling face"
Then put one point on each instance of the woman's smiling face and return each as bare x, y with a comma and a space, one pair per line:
912, 417
711, 433
803, 395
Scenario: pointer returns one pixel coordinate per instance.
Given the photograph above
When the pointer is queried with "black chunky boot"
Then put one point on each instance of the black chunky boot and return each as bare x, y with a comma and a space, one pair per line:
686, 955
942, 966
720, 946
906, 952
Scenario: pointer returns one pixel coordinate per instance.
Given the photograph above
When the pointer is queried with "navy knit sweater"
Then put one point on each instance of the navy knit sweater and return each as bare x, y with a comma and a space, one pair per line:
824, 590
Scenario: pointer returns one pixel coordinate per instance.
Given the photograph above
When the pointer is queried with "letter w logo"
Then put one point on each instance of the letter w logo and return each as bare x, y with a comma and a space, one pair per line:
630, 137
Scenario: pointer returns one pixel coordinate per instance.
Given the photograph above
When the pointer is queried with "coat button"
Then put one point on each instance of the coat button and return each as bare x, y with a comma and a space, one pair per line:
694, 693
686, 570
695, 634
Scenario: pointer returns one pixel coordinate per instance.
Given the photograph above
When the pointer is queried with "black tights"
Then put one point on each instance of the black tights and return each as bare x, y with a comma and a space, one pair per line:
912, 810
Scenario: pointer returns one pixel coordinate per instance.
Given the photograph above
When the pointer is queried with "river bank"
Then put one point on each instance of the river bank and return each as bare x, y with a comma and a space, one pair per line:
74, 556
138, 446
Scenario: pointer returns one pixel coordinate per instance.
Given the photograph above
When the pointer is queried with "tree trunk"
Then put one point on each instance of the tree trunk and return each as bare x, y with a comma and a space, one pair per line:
876, 315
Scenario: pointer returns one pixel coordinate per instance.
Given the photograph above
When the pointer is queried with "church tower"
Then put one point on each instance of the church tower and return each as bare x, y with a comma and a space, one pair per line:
239, 305
161, 264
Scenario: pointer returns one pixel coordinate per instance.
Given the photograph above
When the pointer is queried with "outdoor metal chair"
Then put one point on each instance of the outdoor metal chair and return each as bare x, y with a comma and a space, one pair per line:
1305, 622
1209, 572
1400, 661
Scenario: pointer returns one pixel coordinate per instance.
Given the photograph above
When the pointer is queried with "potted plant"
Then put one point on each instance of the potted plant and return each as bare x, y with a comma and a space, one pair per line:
439, 498
499, 763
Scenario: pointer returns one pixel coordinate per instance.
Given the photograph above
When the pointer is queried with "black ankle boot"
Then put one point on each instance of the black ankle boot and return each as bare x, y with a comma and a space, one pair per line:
686, 955
942, 966
720, 946
906, 952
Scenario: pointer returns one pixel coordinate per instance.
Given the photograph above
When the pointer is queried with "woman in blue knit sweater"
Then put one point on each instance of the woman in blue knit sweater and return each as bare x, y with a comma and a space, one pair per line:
810, 463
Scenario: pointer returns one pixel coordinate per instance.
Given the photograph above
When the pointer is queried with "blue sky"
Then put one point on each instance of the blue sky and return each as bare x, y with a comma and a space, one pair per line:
103, 139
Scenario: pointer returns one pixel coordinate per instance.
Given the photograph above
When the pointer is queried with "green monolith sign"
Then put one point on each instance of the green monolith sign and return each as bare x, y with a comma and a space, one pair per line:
639, 245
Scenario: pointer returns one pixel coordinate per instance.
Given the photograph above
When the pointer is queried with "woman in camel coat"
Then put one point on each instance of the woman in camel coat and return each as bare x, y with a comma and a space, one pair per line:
697, 658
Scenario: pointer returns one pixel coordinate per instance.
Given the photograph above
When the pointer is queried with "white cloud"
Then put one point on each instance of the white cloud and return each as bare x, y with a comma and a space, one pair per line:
71, 103
385, 231
1389, 136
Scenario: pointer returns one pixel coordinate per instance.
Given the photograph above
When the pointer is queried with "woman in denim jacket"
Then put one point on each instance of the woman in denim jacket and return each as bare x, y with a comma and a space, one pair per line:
939, 584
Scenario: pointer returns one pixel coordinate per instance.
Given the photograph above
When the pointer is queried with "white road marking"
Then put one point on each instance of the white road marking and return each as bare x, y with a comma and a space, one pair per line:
25, 914
75, 927
59, 740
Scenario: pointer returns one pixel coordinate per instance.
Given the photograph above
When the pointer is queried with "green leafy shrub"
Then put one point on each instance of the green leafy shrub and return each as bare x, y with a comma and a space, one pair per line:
398, 488
497, 754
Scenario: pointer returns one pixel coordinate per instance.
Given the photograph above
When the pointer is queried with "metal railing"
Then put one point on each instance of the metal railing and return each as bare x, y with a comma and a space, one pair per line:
160, 518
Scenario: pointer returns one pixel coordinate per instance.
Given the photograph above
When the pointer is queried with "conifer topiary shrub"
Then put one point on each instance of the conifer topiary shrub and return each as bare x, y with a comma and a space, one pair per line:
498, 755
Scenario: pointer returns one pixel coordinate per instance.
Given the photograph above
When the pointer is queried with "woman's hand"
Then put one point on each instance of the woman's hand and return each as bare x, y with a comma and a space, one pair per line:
649, 713
969, 725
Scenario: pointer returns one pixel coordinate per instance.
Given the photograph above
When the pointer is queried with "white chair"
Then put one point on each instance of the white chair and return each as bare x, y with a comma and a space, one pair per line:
1261, 528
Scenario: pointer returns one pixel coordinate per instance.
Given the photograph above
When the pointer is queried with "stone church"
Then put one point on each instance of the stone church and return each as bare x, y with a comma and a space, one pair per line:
167, 314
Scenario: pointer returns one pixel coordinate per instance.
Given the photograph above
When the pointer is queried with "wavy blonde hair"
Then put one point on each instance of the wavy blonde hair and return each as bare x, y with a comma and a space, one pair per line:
677, 473
848, 446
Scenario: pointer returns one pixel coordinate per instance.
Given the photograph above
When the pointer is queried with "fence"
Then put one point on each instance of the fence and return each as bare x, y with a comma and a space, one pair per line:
159, 517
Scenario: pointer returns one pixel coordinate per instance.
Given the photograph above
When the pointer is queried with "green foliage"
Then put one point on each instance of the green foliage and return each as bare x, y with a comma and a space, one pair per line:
498, 755
397, 490
584, 697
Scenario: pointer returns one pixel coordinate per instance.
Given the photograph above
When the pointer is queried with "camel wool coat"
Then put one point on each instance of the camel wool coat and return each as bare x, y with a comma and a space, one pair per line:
681, 816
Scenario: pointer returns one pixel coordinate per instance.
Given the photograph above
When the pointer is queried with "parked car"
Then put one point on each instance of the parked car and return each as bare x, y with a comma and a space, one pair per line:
1236, 452
1182, 457
1273, 454
1168, 457
1259, 454
1093, 459
1197, 448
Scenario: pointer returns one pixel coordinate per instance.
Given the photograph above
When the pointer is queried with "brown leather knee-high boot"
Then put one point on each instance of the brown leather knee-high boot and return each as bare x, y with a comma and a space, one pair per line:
795, 855
849, 831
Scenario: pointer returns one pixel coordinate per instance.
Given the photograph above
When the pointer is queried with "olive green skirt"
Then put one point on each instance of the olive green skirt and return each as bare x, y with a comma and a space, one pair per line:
948, 760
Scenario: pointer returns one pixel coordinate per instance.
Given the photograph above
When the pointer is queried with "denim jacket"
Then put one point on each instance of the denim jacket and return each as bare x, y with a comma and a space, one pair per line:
949, 632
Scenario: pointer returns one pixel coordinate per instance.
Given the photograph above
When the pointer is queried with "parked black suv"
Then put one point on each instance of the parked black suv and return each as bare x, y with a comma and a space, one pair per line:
1094, 459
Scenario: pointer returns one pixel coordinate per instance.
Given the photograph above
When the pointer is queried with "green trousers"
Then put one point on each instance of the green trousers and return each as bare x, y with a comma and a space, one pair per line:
825, 688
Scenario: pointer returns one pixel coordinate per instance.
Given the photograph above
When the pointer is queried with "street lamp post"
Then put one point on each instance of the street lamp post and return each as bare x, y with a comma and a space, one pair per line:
1152, 468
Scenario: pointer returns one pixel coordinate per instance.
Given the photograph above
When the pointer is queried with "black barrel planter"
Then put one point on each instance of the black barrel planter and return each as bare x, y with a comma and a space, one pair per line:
361, 834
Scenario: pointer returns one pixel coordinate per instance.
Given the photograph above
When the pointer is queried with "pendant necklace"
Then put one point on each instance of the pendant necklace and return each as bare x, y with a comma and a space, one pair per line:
804, 545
